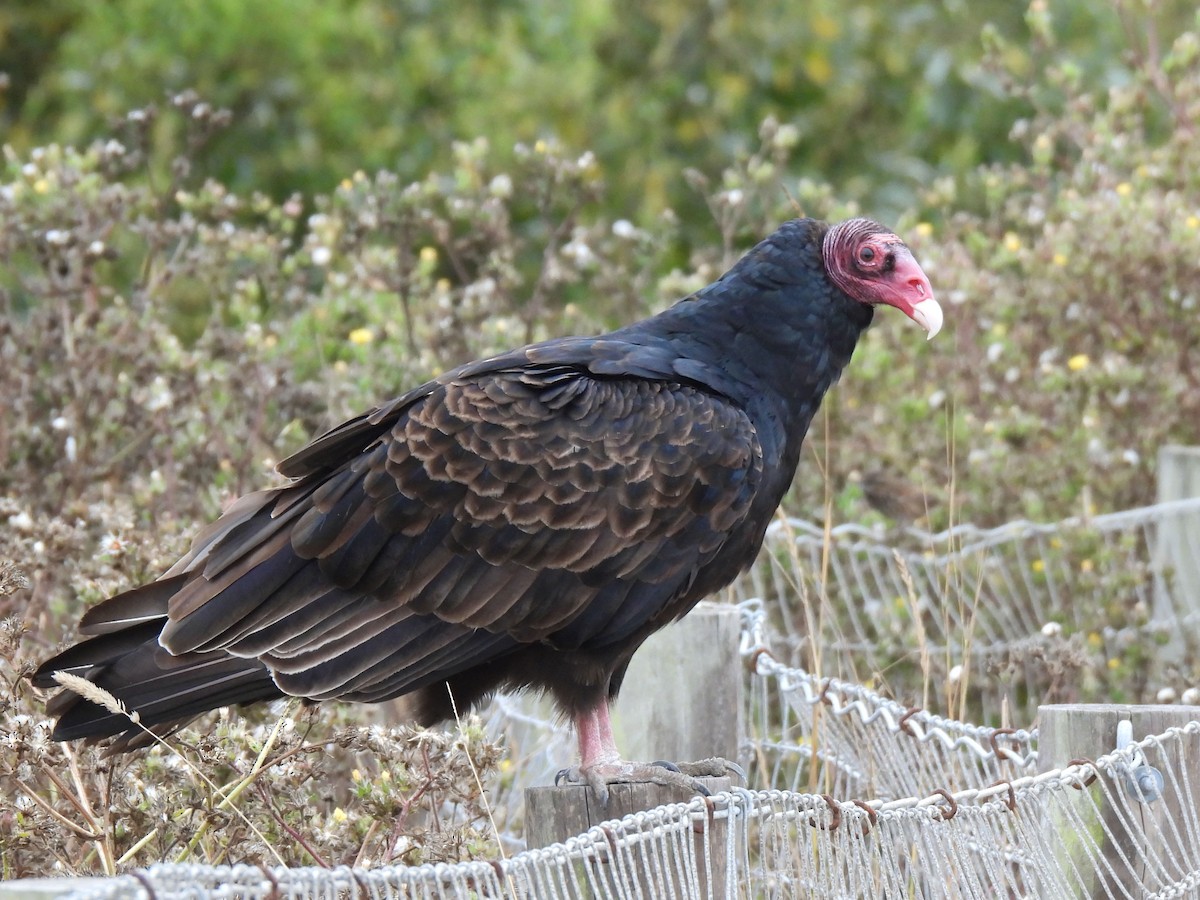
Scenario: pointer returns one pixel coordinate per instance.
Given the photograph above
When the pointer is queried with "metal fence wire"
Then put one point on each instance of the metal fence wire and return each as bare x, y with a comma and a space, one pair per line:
1037, 835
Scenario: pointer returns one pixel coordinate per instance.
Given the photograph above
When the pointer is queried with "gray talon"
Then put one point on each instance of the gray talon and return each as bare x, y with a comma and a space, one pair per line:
714, 767
600, 785
737, 770
669, 766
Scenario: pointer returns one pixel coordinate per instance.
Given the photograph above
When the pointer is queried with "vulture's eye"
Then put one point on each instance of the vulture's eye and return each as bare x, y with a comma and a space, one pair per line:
866, 254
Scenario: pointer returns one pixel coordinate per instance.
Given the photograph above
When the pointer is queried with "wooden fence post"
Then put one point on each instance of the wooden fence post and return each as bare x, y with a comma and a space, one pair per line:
682, 696
1178, 552
46, 888
681, 701
1073, 731
553, 814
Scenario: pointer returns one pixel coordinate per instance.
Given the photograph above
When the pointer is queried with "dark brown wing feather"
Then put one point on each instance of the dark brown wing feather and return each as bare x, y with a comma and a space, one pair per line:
503, 502
491, 510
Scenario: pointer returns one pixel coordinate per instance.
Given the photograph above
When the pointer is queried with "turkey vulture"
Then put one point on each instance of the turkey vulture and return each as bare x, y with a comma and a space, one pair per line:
523, 521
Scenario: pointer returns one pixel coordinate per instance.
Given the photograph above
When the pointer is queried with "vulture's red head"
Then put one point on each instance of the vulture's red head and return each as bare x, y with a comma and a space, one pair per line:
872, 265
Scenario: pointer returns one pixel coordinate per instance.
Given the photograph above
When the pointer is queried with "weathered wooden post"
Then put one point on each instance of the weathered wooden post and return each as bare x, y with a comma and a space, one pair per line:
1177, 557
46, 888
553, 814
1075, 731
681, 701
682, 696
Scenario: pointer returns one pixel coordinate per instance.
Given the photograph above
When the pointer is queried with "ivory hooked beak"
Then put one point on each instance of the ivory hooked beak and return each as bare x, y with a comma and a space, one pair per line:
928, 314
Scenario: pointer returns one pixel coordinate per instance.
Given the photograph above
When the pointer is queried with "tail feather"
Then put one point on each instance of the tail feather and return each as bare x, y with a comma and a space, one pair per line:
97, 653
126, 660
163, 700
139, 605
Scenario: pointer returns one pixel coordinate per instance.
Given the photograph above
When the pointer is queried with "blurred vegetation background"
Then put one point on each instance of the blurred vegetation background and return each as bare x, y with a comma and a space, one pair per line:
884, 97
468, 160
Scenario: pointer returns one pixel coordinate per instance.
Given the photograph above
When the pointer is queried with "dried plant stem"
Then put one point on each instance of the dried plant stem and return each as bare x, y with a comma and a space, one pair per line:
955, 582
84, 811
57, 816
230, 795
137, 848
96, 694
918, 617
104, 844
360, 859
295, 835
258, 766
487, 807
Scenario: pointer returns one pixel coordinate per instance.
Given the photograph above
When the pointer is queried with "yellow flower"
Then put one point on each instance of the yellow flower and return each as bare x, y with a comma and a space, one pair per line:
429, 255
1124, 189
41, 186
1193, 222
540, 146
818, 67
1086, 565
924, 229
825, 27
1078, 362
1094, 640
339, 815
1114, 663
361, 336
1038, 566
355, 775
1012, 243
1060, 259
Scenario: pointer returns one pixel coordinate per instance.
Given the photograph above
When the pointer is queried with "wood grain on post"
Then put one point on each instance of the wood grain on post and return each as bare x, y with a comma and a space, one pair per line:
553, 814
682, 696
46, 888
1177, 555
1075, 731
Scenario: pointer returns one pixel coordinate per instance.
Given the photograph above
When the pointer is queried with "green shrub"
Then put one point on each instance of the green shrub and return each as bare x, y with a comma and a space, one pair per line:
882, 99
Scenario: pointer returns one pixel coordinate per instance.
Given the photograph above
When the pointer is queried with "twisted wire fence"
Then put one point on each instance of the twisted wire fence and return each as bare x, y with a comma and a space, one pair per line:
1045, 835
863, 744
1025, 607
863, 796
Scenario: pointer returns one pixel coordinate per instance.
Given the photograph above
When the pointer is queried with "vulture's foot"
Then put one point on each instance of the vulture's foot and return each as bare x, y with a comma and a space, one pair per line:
680, 775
